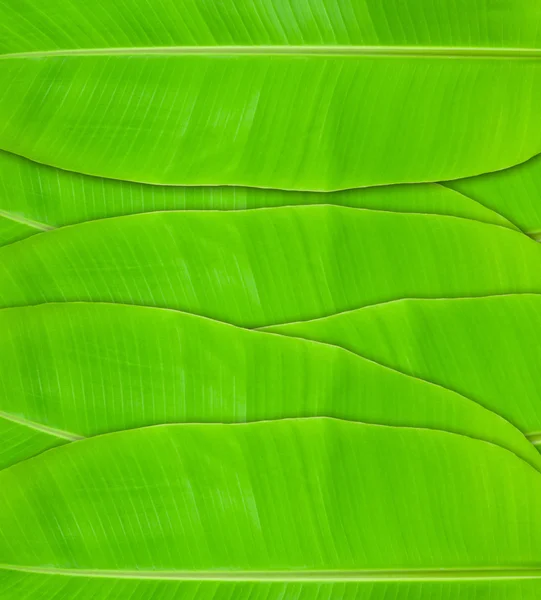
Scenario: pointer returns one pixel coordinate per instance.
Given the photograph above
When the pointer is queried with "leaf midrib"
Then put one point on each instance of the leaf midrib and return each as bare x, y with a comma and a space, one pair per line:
53, 431
16, 218
296, 50
361, 575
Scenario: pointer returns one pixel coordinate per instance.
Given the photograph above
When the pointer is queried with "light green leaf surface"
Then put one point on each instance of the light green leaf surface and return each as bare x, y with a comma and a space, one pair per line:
373, 439
28, 586
53, 197
84, 369
272, 97
304, 502
268, 266
12, 230
22, 439
27, 27
515, 193
160, 119
487, 348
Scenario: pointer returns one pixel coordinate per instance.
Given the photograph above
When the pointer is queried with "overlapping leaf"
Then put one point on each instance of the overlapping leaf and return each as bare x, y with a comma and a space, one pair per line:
514, 192
292, 97
299, 502
487, 348
75, 370
269, 266
432, 290
34, 197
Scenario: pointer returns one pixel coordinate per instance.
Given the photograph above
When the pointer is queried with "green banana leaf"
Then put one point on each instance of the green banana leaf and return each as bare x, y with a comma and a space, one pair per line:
13, 229
486, 348
268, 266
514, 192
74, 370
269, 300
28, 586
34, 197
306, 503
272, 96
26, 27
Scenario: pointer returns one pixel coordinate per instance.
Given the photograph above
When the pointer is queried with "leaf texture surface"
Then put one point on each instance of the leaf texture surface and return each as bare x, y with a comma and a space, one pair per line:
47, 197
101, 509
256, 268
512, 192
224, 96
26, 586
485, 347
169, 23
84, 369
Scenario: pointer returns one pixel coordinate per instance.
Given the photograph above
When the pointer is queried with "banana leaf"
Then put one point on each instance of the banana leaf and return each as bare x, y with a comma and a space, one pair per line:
74, 370
514, 192
268, 266
316, 505
34, 198
307, 96
486, 348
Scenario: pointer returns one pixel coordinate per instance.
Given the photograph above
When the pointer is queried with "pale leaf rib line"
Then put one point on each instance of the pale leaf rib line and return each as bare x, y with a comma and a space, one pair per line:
25, 221
534, 438
380, 575
506, 53
59, 433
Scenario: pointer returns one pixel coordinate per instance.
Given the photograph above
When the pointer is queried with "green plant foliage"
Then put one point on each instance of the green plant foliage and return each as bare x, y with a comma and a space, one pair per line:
135, 23
35, 197
301, 500
31, 585
513, 192
13, 230
160, 366
201, 137
469, 345
270, 300
321, 96
268, 266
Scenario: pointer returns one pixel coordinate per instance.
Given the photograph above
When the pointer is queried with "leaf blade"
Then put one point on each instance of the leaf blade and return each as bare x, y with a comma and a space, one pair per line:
256, 268
187, 527
56, 198
487, 346
98, 114
512, 24
512, 192
89, 369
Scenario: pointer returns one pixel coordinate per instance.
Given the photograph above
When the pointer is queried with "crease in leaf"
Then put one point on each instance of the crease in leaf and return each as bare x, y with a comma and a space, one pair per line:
469, 345
32, 192
132, 517
160, 366
13, 231
514, 193
276, 265
20, 442
302, 50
